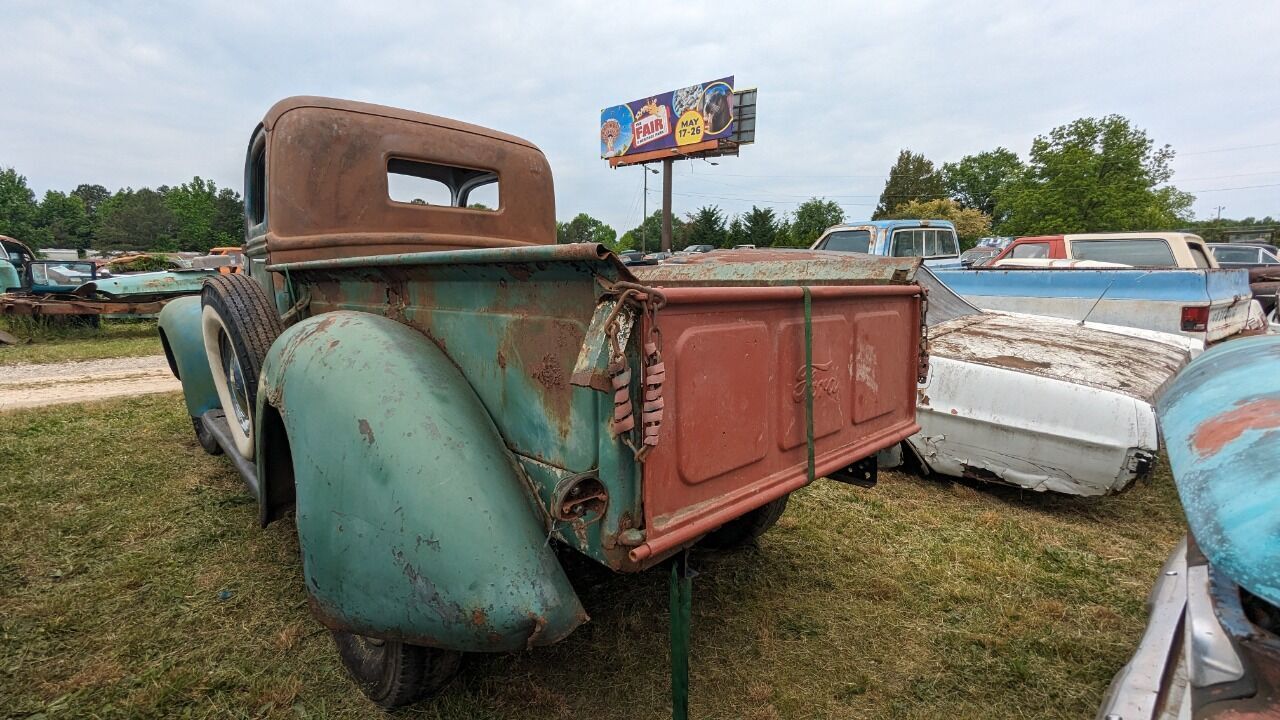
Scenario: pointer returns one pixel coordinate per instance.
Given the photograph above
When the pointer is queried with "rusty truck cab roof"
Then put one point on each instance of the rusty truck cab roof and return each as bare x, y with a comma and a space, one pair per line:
317, 183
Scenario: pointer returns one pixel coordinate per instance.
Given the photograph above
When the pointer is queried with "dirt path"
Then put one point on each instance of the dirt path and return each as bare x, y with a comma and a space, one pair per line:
27, 385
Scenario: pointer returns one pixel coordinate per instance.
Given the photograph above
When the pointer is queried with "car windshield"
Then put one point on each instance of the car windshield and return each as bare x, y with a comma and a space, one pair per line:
62, 273
1141, 252
858, 241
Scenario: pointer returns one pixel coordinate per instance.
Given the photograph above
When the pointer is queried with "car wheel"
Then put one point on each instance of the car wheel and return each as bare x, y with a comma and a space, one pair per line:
745, 529
205, 438
393, 673
239, 323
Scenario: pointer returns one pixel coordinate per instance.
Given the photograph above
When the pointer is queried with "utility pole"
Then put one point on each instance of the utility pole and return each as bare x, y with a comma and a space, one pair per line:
644, 213
666, 204
644, 229
1220, 208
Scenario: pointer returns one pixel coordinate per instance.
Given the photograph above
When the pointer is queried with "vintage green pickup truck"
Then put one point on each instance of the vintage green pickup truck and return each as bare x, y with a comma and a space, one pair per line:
439, 392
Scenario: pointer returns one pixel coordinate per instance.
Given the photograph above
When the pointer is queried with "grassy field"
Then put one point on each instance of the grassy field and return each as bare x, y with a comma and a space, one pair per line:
58, 343
134, 583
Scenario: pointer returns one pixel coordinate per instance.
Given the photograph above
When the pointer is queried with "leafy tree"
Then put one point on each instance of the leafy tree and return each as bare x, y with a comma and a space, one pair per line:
228, 219
811, 218
65, 221
974, 179
912, 177
1212, 230
647, 235
92, 196
136, 220
706, 227
584, 228
760, 227
193, 208
19, 214
1095, 174
206, 217
971, 223
737, 232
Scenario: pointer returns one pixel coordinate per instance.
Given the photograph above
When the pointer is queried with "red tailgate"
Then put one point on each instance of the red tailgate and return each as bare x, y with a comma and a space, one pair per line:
733, 437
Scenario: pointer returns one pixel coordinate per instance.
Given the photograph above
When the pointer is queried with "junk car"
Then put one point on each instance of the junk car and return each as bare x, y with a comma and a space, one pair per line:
439, 393
1211, 648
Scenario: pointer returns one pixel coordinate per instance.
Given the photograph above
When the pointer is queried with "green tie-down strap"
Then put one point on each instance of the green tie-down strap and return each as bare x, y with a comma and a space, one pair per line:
808, 378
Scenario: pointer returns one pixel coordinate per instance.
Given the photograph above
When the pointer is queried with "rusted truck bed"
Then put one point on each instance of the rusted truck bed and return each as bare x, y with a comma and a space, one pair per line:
733, 433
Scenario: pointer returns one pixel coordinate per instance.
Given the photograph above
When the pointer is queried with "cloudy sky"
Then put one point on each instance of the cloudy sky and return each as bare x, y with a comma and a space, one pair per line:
151, 93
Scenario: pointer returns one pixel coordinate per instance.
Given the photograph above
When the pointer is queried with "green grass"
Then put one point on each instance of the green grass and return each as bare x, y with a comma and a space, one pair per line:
47, 343
134, 583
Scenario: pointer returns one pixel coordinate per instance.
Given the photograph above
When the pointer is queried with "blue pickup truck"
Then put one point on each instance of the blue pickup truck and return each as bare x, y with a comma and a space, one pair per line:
934, 240
1205, 304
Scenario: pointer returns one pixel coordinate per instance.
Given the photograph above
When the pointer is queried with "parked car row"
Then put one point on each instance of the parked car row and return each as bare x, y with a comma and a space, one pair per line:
1046, 375
637, 257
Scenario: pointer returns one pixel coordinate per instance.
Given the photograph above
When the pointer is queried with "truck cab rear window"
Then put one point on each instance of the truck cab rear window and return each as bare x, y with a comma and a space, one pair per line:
858, 241
925, 242
1140, 252
423, 183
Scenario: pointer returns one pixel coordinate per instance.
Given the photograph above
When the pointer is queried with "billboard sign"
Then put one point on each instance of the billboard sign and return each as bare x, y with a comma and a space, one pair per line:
669, 120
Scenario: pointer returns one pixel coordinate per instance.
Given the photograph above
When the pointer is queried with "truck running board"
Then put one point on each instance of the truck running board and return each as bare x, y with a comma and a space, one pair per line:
215, 421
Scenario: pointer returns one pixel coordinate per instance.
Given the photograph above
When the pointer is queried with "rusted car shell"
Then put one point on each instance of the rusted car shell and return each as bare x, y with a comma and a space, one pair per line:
1038, 402
1211, 648
453, 390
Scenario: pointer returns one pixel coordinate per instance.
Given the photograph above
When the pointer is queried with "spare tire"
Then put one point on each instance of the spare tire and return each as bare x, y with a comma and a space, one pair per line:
239, 322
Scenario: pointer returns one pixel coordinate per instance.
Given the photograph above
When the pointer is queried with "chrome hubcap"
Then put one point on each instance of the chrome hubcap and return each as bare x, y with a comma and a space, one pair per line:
236, 385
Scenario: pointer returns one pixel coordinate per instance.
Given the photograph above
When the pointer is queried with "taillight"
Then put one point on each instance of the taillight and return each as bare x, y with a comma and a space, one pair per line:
1195, 319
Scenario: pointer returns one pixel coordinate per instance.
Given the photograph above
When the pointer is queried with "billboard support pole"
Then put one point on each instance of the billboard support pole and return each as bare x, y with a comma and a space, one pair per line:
645, 216
666, 204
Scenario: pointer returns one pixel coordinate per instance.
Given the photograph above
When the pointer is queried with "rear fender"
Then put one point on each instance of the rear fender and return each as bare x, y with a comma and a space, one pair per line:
414, 520
184, 349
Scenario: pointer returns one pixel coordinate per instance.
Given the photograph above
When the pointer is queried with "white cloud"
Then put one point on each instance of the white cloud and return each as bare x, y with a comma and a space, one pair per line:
134, 93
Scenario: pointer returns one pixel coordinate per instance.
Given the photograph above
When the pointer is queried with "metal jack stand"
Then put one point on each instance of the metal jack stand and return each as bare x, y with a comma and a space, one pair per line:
681, 615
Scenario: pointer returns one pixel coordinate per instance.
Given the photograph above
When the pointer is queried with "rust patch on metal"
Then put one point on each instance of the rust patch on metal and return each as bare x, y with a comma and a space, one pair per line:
518, 271
366, 431
502, 360
1216, 433
548, 373
478, 618
1016, 362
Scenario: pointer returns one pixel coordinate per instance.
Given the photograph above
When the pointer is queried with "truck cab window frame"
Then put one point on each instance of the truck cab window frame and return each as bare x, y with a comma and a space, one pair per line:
858, 241
1138, 252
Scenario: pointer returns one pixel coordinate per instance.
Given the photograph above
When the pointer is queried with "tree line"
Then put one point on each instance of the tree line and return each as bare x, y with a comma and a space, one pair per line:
194, 216
1091, 175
